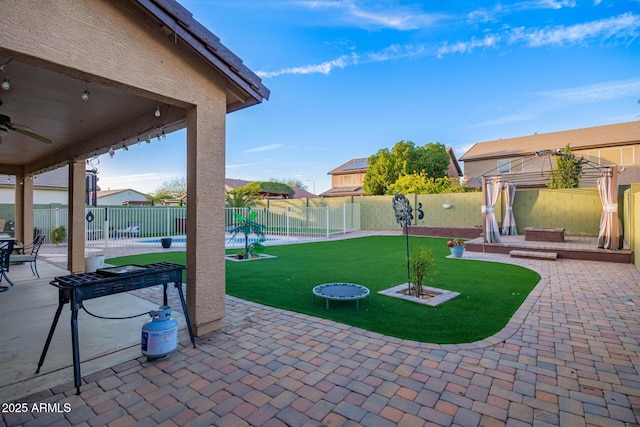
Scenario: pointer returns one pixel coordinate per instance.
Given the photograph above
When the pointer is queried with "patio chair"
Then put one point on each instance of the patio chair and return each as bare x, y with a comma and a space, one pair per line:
6, 247
130, 231
29, 254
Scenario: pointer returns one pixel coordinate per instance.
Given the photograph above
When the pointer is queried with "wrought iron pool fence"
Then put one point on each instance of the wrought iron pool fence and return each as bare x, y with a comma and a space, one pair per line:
146, 225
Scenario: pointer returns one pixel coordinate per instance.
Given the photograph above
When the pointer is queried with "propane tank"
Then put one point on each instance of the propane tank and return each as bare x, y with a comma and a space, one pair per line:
160, 334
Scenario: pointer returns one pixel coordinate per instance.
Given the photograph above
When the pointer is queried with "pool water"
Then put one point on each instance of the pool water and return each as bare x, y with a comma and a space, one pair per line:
228, 241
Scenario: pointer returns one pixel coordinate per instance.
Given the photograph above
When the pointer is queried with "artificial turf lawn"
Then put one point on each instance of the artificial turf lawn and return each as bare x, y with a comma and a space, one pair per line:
490, 292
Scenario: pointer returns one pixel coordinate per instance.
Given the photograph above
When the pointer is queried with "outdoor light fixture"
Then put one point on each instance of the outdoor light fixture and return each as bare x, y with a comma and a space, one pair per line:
85, 95
148, 140
157, 113
6, 83
164, 135
125, 148
112, 152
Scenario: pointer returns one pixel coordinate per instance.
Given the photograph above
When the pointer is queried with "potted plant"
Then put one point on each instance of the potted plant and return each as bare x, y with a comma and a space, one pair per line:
421, 264
58, 235
457, 247
247, 225
166, 242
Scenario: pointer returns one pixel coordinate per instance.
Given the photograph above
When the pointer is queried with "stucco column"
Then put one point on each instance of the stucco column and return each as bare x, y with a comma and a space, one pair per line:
23, 213
205, 215
75, 236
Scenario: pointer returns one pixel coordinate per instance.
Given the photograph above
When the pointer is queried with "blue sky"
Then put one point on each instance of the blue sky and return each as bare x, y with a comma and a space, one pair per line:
350, 77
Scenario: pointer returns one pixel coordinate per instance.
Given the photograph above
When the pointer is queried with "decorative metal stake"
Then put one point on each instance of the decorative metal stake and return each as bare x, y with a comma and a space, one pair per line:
404, 216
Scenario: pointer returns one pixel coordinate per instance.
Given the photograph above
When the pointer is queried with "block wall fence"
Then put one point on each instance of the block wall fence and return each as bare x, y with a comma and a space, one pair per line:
577, 210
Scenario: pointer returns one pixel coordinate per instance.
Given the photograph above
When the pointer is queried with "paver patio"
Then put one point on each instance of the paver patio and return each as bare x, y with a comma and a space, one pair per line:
570, 356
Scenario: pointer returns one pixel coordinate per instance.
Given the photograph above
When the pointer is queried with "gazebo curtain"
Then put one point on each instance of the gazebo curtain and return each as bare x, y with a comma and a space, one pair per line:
609, 235
509, 224
492, 191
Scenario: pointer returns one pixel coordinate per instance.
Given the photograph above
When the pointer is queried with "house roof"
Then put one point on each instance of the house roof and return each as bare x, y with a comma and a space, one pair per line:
57, 178
105, 193
343, 191
181, 22
593, 137
230, 183
358, 165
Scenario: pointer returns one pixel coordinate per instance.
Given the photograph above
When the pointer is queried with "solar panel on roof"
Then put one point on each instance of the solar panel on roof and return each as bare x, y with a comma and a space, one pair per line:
358, 164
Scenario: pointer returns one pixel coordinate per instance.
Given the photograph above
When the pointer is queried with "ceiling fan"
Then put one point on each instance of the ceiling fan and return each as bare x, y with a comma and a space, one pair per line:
6, 126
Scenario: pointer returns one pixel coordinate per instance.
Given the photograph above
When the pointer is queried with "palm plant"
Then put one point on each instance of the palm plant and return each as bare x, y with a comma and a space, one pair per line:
241, 197
247, 225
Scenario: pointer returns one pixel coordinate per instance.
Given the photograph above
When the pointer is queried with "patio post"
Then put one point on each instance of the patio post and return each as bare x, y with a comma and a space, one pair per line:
23, 211
76, 220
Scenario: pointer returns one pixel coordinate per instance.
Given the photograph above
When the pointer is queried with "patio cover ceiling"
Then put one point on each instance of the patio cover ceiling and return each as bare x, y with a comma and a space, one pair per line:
46, 97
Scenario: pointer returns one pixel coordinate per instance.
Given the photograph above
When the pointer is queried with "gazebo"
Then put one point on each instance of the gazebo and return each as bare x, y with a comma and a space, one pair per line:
603, 177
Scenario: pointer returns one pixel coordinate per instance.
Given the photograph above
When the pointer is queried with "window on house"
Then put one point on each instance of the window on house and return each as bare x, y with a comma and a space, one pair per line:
504, 166
608, 156
346, 180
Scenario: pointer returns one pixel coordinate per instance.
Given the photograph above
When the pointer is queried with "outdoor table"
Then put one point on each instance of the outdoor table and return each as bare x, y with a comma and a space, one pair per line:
76, 288
341, 292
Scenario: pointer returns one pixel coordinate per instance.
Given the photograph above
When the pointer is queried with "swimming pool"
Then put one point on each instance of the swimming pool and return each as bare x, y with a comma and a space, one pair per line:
228, 241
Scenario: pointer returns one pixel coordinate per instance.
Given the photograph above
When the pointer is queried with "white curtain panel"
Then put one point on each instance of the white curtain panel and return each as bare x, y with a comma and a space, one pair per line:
509, 224
609, 235
492, 193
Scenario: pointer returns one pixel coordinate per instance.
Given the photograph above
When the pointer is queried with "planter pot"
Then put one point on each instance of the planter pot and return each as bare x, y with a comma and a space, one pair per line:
93, 262
166, 242
457, 251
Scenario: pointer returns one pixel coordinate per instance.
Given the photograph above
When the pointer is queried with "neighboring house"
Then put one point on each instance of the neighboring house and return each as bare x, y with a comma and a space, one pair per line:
516, 158
347, 179
125, 196
48, 187
299, 193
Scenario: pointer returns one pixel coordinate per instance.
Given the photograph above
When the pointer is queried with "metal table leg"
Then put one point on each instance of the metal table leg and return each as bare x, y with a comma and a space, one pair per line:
186, 313
77, 377
50, 336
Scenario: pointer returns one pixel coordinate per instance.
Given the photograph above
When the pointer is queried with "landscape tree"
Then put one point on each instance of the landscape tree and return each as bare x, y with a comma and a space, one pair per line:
419, 183
567, 172
386, 166
175, 188
291, 182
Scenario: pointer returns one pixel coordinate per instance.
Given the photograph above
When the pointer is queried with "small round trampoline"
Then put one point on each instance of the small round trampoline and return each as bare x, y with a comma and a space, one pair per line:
341, 292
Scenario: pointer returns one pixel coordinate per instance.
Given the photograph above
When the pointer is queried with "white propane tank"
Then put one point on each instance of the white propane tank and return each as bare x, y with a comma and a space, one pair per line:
160, 334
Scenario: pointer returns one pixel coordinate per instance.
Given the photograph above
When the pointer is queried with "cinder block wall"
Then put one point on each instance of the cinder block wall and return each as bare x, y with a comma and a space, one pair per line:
465, 210
577, 210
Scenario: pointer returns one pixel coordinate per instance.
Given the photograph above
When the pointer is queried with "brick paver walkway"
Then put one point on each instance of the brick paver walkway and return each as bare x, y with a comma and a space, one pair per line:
569, 357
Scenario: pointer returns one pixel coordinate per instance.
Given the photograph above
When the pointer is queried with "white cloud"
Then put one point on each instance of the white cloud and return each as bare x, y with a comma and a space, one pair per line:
240, 166
625, 25
511, 118
269, 147
321, 68
548, 4
489, 40
379, 15
596, 92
